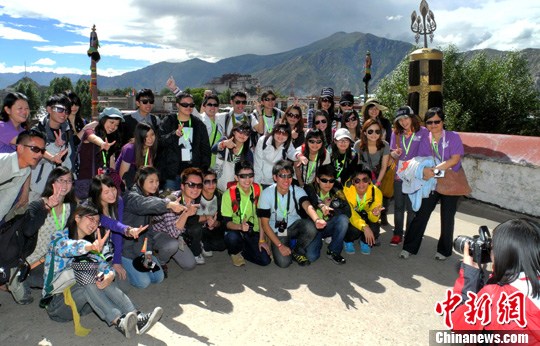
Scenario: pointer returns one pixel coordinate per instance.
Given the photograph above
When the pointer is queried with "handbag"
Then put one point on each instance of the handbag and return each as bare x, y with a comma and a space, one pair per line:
387, 183
85, 270
453, 183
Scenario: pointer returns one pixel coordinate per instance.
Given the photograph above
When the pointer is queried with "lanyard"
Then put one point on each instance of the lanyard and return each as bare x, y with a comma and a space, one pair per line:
407, 147
185, 134
360, 204
243, 210
214, 133
146, 157
340, 165
277, 205
234, 157
435, 146
104, 157
324, 197
268, 127
312, 167
59, 226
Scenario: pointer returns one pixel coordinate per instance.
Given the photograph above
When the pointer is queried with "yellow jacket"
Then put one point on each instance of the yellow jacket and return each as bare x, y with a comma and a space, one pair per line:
371, 203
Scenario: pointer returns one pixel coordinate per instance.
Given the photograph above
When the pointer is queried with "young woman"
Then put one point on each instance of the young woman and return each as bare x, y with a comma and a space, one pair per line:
373, 109
138, 154
311, 156
373, 153
103, 297
324, 103
75, 119
342, 156
141, 203
293, 117
446, 148
231, 150
98, 149
271, 148
14, 114
515, 253
351, 121
404, 145
323, 122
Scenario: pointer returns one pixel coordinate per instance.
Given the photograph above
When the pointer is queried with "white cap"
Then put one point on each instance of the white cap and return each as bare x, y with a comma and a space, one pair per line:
342, 133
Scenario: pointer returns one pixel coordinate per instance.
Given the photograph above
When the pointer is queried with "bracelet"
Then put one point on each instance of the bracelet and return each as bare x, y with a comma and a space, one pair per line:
280, 245
127, 231
262, 241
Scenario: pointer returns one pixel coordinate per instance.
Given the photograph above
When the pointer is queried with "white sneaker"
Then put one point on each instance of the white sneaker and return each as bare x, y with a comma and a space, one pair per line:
404, 254
328, 240
440, 257
199, 259
206, 253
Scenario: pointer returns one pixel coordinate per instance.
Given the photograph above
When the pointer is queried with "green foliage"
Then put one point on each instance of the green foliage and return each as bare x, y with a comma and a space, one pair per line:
59, 85
198, 95
225, 97
120, 92
166, 92
82, 89
29, 88
482, 94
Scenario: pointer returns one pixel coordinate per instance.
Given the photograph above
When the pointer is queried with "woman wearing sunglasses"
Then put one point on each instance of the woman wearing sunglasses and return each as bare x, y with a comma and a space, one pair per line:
293, 117
373, 153
325, 103
311, 155
323, 123
342, 157
446, 148
351, 121
138, 154
141, 203
231, 150
270, 149
373, 109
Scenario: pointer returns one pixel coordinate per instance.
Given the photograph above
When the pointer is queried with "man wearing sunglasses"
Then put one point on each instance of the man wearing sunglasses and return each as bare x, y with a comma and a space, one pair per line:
16, 167
59, 143
281, 210
365, 200
213, 228
227, 120
268, 114
144, 100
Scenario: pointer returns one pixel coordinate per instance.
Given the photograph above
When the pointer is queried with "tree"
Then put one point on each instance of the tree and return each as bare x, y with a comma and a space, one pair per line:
393, 89
59, 85
197, 93
82, 89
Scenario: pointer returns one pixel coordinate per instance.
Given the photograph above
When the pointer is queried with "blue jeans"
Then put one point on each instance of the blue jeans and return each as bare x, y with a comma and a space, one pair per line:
247, 244
402, 203
304, 232
336, 227
142, 279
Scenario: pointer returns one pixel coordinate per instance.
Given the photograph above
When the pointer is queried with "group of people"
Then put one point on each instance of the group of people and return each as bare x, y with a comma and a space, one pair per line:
133, 192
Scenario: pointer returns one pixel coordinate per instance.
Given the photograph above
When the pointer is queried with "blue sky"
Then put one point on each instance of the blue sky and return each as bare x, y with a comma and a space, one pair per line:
53, 35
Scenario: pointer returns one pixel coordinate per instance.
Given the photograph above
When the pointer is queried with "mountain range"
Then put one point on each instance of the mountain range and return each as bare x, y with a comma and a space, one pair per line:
336, 61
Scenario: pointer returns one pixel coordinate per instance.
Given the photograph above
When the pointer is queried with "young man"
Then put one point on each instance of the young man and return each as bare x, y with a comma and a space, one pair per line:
365, 200
243, 237
279, 212
144, 100
210, 217
331, 206
268, 114
16, 167
59, 142
208, 117
227, 120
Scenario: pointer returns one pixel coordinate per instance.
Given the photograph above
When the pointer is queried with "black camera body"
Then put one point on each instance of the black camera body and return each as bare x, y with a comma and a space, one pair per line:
250, 231
281, 226
479, 245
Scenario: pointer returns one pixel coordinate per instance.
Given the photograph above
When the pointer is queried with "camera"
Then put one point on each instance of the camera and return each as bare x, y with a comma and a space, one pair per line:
439, 173
281, 226
250, 230
479, 245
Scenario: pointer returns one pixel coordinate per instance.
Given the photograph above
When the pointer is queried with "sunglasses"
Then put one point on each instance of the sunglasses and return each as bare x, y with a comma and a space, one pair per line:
187, 105
326, 181
325, 100
351, 119
210, 182
60, 109
146, 101
281, 132
346, 104
270, 99
433, 122
35, 149
315, 141
293, 115
285, 176
246, 175
237, 102
370, 132
212, 104
243, 132
193, 185
317, 122
364, 180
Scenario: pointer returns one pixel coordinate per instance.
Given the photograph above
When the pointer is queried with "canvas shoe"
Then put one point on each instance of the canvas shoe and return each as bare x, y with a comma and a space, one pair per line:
200, 259
300, 259
349, 248
206, 253
440, 257
145, 321
404, 254
396, 240
365, 249
328, 240
238, 260
127, 324
336, 258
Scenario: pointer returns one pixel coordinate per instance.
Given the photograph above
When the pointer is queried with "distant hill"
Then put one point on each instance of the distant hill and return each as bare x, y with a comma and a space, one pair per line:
336, 61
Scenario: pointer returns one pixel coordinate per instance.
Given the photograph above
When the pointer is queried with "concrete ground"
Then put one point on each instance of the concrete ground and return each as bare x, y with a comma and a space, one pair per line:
376, 299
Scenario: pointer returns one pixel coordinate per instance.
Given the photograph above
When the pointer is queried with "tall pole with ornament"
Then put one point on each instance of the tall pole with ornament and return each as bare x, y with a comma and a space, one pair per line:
94, 59
367, 74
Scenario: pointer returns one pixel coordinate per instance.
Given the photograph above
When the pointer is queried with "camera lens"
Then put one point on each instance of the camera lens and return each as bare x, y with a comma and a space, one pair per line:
459, 244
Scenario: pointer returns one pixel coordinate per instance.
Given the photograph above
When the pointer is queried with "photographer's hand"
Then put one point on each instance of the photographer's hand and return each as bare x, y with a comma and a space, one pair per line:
468, 259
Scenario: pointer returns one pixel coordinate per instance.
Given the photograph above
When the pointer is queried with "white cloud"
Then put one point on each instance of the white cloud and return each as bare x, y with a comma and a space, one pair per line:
45, 61
394, 18
8, 33
59, 70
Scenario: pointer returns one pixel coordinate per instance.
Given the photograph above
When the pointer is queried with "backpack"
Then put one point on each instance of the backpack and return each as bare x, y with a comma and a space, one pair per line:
235, 196
12, 246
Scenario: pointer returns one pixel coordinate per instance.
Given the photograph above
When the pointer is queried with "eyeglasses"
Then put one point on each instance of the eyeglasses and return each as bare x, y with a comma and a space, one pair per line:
187, 105
92, 220
314, 141
317, 122
60, 109
370, 132
285, 176
327, 181
325, 100
146, 101
212, 105
281, 132
246, 175
433, 122
210, 182
35, 149
237, 102
351, 119
345, 104
293, 115
193, 185
270, 99
64, 181
364, 180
